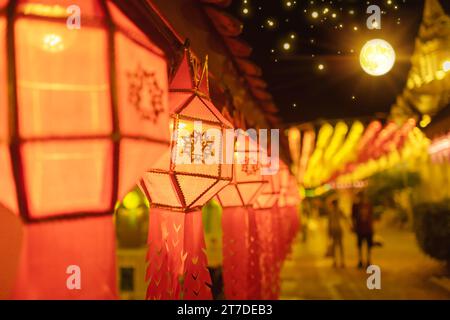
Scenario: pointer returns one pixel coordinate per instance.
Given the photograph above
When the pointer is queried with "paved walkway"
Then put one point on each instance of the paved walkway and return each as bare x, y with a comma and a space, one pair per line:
406, 273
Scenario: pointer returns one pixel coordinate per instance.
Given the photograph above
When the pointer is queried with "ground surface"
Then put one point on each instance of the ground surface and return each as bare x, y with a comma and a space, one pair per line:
406, 273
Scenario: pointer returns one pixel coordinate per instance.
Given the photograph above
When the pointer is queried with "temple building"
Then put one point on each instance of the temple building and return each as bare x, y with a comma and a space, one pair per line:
428, 85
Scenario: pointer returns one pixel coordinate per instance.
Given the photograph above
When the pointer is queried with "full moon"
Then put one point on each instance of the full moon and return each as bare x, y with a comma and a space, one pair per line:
377, 57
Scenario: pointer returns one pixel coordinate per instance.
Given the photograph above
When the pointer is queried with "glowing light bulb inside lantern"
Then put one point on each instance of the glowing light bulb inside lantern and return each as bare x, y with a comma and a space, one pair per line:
377, 57
52, 42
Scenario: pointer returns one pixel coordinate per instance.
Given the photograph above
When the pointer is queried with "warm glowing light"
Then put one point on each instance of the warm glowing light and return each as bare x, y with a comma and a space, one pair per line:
320, 67
52, 42
377, 57
439, 146
286, 46
245, 11
446, 66
132, 200
315, 14
426, 119
54, 11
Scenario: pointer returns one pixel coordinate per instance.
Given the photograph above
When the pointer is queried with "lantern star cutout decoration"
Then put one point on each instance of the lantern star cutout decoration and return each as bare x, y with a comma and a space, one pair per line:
76, 133
145, 94
185, 178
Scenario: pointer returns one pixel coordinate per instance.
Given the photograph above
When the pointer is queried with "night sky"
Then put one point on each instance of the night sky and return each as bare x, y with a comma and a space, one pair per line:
309, 53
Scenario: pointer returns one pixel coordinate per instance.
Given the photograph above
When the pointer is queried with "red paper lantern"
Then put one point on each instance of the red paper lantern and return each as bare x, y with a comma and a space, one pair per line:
237, 199
184, 179
263, 284
86, 112
376, 149
287, 210
281, 222
84, 115
181, 183
367, 140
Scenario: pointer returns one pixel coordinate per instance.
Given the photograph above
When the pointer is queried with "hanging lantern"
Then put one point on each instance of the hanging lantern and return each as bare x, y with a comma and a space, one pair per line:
85, 108
367, 139
263, 256
287, 210
279, 223
193, 169
185, 178
237, 199
86, 113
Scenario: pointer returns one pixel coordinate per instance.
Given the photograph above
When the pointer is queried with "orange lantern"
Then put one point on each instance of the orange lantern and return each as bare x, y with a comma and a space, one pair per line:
367, 140
86, 113
275, 239
288, 202
192, 172
237, 199
185, 178
279, 221
376, 150
262, 218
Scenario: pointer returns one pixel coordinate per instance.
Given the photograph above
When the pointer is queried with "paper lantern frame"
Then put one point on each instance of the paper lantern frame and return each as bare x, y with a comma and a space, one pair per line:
100, 15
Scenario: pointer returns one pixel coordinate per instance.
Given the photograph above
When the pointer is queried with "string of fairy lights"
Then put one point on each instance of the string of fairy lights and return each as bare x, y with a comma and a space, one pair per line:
319, 13
315, 31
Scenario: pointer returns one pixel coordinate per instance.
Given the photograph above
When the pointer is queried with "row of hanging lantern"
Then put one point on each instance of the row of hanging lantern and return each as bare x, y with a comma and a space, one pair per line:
178, 189
339, 150
240, 255
73, 142
177, 265
411, 151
